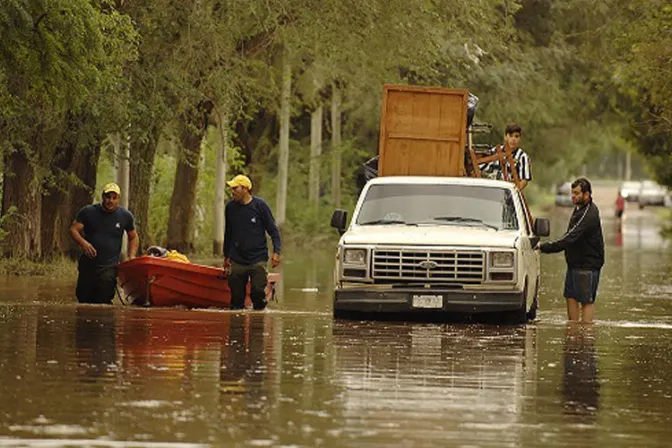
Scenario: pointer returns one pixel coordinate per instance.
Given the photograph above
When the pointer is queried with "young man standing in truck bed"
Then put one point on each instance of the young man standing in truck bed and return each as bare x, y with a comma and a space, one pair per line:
512, 137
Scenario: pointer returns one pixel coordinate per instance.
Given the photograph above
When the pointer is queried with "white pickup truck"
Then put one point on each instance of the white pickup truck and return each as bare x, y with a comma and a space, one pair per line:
438, 244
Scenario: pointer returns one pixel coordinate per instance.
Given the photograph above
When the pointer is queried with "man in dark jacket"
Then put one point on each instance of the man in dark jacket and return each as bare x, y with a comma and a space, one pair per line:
584, 252
248, 220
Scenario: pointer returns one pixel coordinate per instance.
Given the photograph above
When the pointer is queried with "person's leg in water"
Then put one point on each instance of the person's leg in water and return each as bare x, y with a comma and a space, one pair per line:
572, 310
85, 285
570, 296
587, 313
238, 284
588, 304
258, 282
106, 284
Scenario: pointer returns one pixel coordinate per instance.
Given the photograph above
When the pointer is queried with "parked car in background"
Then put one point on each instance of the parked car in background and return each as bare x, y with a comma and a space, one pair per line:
630, 190
563, 195
651, 193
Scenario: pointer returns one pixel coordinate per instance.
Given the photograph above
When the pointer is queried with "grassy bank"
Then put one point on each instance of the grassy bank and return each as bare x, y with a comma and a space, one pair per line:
293, 240
57, 268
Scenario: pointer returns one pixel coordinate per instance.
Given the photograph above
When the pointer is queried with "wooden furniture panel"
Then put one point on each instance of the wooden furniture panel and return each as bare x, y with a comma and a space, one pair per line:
423, 131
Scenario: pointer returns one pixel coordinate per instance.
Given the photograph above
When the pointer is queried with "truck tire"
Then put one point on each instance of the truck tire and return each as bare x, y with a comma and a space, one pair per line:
341, 314
532, 312
519, 316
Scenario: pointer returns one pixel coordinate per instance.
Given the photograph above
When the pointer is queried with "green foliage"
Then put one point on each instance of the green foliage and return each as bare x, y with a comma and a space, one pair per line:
303, 220
587, 79
159, 202
163, 179
57, 58
205, 197
4, 221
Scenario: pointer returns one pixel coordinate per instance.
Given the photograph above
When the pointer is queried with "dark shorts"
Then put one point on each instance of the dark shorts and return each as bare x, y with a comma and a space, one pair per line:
581, 284
619, 213
96, 284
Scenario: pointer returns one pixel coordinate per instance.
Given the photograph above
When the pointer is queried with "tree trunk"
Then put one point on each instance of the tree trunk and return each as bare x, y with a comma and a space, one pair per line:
315, 153
122, 173
21, 189
54, 199
336, 146
183, 199
123, 159
220, 178
75, 171
142, 166
85, 166
283, 153
628, 165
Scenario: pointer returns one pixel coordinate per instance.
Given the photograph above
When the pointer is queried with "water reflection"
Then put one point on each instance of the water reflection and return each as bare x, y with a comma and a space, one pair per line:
169, 345
580, 386
95, 342
93, 375
434, 379
243, 360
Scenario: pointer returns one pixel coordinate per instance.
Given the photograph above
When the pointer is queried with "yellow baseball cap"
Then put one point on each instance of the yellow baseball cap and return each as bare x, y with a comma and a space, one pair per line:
112, 188
240, 181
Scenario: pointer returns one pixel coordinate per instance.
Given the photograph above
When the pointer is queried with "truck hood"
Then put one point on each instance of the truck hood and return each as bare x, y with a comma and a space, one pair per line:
429, 236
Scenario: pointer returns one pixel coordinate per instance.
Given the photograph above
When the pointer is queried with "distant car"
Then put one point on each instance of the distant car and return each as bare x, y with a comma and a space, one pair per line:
630, 190
651, 193
563, 195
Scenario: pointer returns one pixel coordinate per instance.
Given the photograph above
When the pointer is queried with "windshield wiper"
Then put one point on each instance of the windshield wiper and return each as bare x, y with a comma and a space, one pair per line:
461, 219
385, 221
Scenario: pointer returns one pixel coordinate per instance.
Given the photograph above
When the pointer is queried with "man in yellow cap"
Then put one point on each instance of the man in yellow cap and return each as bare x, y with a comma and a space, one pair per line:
99, 229
248, 220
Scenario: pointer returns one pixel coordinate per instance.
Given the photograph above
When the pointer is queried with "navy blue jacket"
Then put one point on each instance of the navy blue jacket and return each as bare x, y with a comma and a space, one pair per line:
583, 243
245, 231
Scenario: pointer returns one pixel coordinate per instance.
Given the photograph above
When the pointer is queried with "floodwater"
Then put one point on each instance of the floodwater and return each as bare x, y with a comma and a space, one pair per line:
293, 377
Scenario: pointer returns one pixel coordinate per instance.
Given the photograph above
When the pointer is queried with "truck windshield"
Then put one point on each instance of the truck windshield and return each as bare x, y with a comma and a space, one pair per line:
463, 205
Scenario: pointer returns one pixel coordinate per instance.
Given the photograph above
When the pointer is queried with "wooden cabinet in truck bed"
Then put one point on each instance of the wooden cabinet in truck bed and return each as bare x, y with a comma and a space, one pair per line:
422, 131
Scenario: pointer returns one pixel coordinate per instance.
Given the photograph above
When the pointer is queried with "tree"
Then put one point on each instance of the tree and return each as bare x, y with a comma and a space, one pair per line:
56, 60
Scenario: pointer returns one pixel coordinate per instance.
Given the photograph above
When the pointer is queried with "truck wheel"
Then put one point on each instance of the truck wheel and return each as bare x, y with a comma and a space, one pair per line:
340, 314
532, 313
519, 316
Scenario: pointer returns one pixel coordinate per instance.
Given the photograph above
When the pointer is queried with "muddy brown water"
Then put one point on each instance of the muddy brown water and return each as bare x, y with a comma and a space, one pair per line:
292, 376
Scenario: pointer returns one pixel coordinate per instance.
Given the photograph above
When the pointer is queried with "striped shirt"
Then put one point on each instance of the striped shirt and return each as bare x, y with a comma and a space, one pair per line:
523, 166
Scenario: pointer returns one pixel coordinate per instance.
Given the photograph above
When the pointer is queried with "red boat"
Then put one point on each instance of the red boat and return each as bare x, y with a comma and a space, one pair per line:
162, 282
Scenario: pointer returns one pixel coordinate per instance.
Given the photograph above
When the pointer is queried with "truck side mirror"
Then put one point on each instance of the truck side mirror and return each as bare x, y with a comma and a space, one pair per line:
541, 227
338, 220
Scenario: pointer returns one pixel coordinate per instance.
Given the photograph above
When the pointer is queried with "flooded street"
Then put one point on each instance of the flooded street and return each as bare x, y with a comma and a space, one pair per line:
292, 376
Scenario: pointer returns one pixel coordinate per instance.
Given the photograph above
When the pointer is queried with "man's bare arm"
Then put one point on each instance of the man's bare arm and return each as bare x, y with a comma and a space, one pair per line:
133, 244
76, 229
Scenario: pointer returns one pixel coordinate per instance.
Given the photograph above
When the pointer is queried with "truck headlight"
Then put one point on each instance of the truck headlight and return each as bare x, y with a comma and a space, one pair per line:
501, 259
355, 256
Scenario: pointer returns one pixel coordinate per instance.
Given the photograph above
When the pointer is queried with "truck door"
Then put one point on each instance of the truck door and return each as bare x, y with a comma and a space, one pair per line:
531, 258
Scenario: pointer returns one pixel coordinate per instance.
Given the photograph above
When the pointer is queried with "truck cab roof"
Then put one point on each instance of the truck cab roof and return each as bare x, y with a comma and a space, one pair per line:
441, 180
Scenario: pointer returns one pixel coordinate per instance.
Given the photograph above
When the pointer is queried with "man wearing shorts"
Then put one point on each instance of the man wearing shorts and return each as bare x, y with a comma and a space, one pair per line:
584, 252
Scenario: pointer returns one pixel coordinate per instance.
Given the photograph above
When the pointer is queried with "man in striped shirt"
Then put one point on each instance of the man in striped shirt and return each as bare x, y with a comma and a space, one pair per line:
512, 137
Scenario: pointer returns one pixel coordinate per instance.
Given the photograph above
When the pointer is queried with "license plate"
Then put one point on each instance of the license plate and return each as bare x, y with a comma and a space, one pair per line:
427, 301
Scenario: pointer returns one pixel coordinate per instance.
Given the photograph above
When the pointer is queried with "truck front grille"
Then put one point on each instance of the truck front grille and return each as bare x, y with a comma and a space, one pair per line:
416, 265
